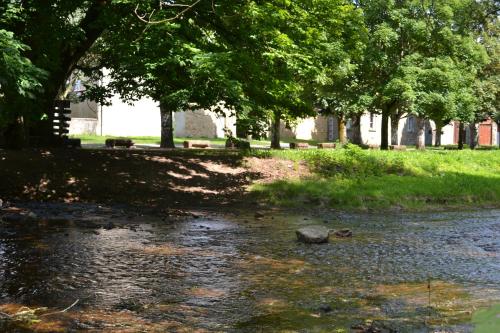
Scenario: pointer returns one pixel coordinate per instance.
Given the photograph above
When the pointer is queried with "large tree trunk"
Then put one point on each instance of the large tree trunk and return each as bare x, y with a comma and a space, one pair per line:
15, 134
420, 143
356, 130
395, 129
384, 140
461, 135
341, 129
167, 128
439, 130
473, 136
275, 130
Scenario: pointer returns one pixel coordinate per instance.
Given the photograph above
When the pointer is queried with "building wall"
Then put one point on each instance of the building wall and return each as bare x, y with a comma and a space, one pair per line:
203, 123
142, 118
312, 128
83, 118
324, 128
122, 119
86, 126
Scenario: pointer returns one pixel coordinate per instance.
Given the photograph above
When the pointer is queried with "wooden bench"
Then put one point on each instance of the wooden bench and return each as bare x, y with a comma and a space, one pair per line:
299, 145
112, 143
327, 145
196, 144
397, 147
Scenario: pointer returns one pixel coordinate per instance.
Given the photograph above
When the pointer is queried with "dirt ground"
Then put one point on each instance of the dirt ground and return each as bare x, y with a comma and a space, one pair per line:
141, 178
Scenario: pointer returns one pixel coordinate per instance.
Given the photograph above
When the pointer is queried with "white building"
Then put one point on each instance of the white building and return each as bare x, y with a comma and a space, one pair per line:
142, 118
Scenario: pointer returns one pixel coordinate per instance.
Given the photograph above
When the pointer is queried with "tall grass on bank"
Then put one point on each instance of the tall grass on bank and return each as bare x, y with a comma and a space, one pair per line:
355, 178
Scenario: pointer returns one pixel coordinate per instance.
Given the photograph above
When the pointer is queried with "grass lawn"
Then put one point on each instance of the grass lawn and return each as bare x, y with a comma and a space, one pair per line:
359, 179
96, 139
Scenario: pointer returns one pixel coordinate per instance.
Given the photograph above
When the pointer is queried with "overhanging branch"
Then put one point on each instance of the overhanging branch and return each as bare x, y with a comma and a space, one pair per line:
146, 18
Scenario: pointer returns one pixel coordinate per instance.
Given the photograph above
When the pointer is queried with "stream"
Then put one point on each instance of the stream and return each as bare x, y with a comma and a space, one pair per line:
233, 272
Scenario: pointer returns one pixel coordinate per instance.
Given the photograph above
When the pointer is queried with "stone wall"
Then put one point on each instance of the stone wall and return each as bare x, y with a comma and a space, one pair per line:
83, 126
203, 124
312, 128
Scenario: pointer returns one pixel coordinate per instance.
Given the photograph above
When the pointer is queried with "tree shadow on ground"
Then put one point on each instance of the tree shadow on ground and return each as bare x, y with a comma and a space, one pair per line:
145, 178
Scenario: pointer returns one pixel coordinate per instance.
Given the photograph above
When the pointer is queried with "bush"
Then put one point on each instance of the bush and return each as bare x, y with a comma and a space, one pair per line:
233, 142
353, 161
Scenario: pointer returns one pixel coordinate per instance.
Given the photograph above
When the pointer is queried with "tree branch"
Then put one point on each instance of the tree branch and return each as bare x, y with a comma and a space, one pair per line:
173, 18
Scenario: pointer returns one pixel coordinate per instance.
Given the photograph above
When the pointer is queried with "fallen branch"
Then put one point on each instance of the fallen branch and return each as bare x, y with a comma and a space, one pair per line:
62, 311
6, 315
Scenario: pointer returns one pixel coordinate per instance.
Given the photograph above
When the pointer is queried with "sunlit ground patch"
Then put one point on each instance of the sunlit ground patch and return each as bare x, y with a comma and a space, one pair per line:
205, 292
169, 249
290, 265
442, 304
49, 320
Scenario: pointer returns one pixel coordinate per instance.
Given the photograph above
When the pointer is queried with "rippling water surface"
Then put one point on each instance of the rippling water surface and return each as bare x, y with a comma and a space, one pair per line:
236, 273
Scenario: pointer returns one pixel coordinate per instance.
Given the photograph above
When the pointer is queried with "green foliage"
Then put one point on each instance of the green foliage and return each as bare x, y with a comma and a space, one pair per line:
17, 74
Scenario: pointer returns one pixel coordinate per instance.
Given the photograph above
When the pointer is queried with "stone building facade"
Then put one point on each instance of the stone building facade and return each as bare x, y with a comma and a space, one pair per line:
325, 128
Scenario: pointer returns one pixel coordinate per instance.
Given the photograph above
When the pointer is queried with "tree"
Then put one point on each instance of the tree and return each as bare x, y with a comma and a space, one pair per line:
18, 76
417, 29
59, 33
338, 89
269, 58
176, 64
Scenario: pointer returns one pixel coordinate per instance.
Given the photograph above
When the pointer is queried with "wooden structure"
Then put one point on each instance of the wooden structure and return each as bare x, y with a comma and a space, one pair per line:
196, 144
60, 118
299, 145
327, 145
53, 130
397, 147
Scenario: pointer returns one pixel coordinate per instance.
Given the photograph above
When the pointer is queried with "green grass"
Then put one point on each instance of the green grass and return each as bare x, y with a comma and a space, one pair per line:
358, 179
96, 139
487, 320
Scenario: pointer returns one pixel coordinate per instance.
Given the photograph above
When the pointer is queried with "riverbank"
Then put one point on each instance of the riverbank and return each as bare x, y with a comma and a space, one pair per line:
355, 179
344, 179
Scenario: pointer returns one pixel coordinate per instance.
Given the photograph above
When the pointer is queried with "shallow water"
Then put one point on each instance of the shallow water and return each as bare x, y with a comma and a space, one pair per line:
240, 274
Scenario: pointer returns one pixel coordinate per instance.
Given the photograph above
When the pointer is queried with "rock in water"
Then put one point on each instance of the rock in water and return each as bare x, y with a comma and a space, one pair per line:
313, 234
326, 308
343, 233
259, 215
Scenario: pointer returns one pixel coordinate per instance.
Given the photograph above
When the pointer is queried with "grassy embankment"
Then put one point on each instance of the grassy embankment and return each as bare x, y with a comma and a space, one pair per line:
352, 178
96, 139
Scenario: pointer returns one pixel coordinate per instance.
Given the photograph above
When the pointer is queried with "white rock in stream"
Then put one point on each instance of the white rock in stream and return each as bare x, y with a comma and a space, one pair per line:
313, 234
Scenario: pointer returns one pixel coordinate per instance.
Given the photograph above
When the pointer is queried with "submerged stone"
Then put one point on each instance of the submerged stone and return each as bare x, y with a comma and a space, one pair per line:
313, 234
326, 308
343, 233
